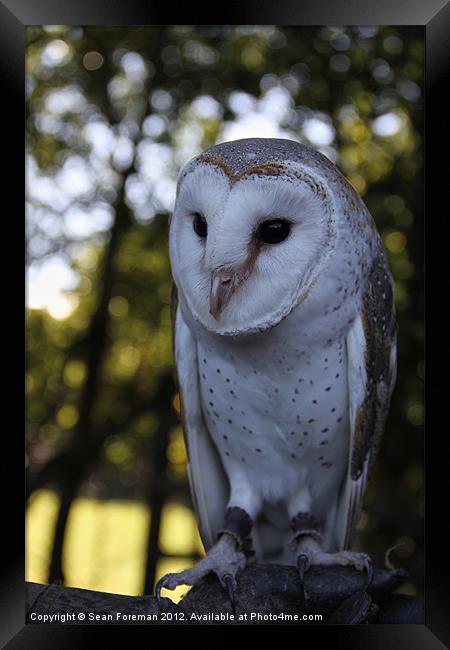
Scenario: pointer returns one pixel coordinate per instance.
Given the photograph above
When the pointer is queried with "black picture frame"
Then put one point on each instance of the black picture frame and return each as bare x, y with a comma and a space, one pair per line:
434, 15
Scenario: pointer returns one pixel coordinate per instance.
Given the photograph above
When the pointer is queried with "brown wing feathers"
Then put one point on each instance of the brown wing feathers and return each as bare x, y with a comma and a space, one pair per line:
378, 318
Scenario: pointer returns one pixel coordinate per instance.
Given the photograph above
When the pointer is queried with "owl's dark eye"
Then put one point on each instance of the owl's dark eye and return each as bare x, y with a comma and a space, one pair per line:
274, 231
200, 225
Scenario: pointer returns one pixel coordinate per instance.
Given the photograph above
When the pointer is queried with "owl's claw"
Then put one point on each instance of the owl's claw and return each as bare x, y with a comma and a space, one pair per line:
228, 581
302, 565
359, 607
370, 573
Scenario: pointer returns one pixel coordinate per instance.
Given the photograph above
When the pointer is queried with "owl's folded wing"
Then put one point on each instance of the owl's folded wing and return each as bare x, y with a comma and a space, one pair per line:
208, 483
371, 355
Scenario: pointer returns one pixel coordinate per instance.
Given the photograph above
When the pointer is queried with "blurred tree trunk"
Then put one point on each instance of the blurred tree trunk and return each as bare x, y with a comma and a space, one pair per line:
95, 344
157, 489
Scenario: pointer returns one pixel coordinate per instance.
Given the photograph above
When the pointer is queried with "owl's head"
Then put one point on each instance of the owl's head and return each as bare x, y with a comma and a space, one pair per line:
252, 229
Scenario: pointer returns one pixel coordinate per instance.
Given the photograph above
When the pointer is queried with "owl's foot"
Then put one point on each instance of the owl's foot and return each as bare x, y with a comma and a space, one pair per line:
317, 557
223, 559
308, 543
358, 607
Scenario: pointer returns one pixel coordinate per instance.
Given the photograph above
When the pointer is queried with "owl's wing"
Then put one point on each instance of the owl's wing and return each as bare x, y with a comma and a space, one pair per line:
207, 479
371, 358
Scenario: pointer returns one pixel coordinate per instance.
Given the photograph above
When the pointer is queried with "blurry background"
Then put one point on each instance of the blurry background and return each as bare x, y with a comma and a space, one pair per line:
112, 114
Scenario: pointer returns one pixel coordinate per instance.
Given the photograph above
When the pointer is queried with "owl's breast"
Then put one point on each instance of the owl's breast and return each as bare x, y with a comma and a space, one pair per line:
278, 411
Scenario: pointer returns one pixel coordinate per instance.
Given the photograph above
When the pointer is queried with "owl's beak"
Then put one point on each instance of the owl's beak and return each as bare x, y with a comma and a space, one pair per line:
223, 285
226, 279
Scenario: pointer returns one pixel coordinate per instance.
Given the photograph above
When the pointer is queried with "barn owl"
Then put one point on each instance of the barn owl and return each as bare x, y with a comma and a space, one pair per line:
285, 350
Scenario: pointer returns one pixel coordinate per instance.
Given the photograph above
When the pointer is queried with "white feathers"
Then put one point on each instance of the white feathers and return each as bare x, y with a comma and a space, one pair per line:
282, 274
357, 377
205, 468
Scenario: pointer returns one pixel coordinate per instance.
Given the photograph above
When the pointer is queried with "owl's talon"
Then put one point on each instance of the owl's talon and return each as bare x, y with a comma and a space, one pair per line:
370, 573
358, 607
229, 583
302, 565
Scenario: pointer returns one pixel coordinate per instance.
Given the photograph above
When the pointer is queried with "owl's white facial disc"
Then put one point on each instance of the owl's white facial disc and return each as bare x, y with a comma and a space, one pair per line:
233, 281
